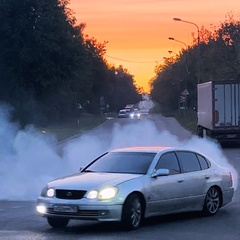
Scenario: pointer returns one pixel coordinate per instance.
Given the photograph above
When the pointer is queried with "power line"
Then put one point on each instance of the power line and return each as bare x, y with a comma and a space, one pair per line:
123, 60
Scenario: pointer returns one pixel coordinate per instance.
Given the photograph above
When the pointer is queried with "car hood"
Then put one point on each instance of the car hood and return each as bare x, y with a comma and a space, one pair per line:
86, 181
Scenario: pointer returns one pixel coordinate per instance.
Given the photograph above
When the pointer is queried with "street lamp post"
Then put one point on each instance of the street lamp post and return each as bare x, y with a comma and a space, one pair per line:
170, 51
186, 61
173, 39
198, 41
182, 99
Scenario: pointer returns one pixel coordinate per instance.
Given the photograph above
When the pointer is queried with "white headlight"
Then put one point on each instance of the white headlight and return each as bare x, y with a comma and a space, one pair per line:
41, 209
92, 194
103, 194
50, 192
107, 193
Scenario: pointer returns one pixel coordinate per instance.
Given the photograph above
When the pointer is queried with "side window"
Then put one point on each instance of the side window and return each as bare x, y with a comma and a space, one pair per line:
169, 161
188, 161
203, 162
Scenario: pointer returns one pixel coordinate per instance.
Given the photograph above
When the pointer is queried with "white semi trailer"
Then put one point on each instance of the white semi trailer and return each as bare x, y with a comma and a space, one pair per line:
219, 110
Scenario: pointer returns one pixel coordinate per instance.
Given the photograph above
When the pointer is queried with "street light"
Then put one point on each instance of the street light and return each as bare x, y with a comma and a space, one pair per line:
170, 52
173, 39
180, 20
198, 41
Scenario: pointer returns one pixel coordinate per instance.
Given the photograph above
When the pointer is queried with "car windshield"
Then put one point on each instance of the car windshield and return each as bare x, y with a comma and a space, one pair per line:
122, 162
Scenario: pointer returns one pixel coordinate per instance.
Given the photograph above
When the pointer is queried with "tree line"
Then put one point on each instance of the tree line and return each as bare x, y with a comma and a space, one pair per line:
49, 69
216, 57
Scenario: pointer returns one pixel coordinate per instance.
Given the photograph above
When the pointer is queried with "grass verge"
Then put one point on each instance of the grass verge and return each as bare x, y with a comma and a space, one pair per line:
186, 118
73, 127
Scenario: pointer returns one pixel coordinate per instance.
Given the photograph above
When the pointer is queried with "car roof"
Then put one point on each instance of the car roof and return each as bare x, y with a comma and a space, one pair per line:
152, 149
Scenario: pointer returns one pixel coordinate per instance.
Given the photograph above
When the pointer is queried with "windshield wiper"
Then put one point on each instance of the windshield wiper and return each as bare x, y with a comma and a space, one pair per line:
87, 170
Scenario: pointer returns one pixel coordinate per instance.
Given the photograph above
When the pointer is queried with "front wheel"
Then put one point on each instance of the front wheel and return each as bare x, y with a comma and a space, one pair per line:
132, 212
57, 222
212, 202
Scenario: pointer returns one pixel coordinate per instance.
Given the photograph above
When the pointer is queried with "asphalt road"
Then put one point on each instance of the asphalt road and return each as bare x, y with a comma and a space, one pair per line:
18, 219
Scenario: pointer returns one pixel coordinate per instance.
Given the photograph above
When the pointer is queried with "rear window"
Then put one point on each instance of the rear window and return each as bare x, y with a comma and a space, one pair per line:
205, 164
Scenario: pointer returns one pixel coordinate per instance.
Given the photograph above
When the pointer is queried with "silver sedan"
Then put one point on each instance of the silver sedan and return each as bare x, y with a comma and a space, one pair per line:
131, 184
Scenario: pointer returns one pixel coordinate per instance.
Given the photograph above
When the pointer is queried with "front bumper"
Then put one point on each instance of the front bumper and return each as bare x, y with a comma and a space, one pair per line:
105, 211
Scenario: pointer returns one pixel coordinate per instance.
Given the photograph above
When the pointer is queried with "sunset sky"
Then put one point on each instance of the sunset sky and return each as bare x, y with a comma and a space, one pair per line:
137, 31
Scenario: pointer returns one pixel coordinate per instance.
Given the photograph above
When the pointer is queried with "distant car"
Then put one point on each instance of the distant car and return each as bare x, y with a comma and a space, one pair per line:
144, 111
123, 114
135, 114
131, 184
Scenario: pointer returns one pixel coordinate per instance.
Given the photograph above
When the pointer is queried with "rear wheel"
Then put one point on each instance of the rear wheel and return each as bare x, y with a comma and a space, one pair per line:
132, 212
212, 202
57, 222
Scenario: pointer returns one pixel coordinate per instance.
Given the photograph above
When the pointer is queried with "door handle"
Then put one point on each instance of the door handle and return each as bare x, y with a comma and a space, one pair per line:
207, 176
180, 180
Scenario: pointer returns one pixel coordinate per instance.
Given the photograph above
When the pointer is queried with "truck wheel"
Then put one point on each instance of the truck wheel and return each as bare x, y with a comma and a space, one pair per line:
200, 132
57, 222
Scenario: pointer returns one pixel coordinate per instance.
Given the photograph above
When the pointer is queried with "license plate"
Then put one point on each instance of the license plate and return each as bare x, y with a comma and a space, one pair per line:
65, 208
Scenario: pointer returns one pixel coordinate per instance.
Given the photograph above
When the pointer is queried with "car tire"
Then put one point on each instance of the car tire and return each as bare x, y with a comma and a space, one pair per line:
212, 202
132, 213
200, 132
57, 222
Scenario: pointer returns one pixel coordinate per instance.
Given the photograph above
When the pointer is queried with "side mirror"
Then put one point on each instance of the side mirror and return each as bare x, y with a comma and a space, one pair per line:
160, 172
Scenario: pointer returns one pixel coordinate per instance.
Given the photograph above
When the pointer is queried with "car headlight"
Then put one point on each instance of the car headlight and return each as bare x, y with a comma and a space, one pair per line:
48, 192
92, 194
107, 193
103, 194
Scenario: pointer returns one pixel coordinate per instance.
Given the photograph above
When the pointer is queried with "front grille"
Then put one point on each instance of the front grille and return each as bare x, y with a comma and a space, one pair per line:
89, 213
81, 213
70, 194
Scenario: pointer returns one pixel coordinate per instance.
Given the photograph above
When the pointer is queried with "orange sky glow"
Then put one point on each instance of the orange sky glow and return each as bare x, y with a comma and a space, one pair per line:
137, 31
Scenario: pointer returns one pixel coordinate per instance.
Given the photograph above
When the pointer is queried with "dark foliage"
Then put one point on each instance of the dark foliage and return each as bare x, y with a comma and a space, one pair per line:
219, 59
48, 67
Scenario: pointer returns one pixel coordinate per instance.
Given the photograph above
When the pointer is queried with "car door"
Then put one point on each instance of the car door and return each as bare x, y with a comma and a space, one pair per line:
167, 192
195, 178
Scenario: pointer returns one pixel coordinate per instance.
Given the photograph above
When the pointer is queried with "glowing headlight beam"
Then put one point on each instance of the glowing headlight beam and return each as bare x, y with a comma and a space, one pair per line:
103, 194
50, 192
92, 194
107, 193
41, 209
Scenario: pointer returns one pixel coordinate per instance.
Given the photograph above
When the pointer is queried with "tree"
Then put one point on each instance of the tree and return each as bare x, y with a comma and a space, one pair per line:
123, 89
48, 66
42, 54
220, 60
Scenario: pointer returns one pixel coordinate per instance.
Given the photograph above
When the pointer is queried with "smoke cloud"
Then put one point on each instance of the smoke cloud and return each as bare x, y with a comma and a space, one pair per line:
29, 159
